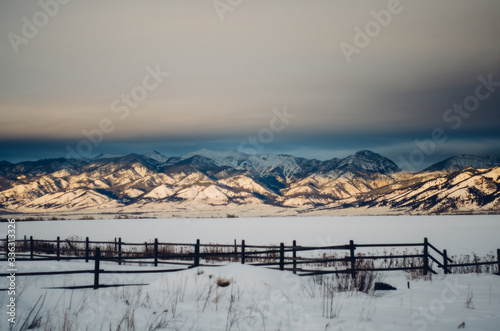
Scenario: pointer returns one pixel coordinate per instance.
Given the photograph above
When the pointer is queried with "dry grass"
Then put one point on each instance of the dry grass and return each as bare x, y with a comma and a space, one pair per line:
75, 246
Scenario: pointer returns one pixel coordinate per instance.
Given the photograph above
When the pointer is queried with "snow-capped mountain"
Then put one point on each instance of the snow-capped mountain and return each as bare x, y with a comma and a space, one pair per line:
216, 179
463, 161
464, 190
157, 156
263, 164
368, 161
221, 158
32, 168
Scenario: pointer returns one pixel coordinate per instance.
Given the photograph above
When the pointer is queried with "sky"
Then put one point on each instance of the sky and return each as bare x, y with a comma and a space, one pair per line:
416, 81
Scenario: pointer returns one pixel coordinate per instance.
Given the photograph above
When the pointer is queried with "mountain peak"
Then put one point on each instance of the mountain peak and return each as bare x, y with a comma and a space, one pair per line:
157, 156
368, 161
215, 154
366, 153
463, 161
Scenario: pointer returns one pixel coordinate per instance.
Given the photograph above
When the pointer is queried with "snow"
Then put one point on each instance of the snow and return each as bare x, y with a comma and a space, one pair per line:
460, 178
245, 183
160, 192
259, 298
256, 299
213, 195
493, 174
72, 200
265, 162
231, 158
464, 161
458, 234
368, 161
133, 193
156, 156
194, 178
141, 170
300, 190
61, 173
261, 163
189, 193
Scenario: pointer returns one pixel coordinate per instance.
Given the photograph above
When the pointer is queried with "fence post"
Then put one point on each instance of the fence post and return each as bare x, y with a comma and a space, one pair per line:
58, 248
87, 245
294, 255
31, 247
197, 253
498, 260
120, 251
282, 256
146, 249
243, 252
352, 258
96, 269
426, 256
235, 251
156, 252
445, 262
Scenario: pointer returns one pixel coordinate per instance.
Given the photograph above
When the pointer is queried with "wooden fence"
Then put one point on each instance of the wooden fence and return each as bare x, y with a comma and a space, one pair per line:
189, 255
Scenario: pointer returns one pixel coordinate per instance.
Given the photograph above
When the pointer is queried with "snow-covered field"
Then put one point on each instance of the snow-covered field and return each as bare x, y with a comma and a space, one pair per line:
258, 298
457, 234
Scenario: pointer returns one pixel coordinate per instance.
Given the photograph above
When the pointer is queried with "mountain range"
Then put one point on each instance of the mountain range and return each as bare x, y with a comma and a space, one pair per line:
233, 181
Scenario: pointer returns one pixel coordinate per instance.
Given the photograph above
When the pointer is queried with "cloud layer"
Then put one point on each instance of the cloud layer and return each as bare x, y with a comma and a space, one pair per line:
226, 77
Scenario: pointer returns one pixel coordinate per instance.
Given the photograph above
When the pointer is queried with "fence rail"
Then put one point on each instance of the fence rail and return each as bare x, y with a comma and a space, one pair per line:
191, 255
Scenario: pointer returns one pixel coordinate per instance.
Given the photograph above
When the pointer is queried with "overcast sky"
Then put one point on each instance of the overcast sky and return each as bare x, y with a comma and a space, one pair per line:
231, 68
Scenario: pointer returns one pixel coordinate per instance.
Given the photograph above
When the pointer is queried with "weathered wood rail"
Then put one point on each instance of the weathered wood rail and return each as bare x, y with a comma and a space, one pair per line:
191, 255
